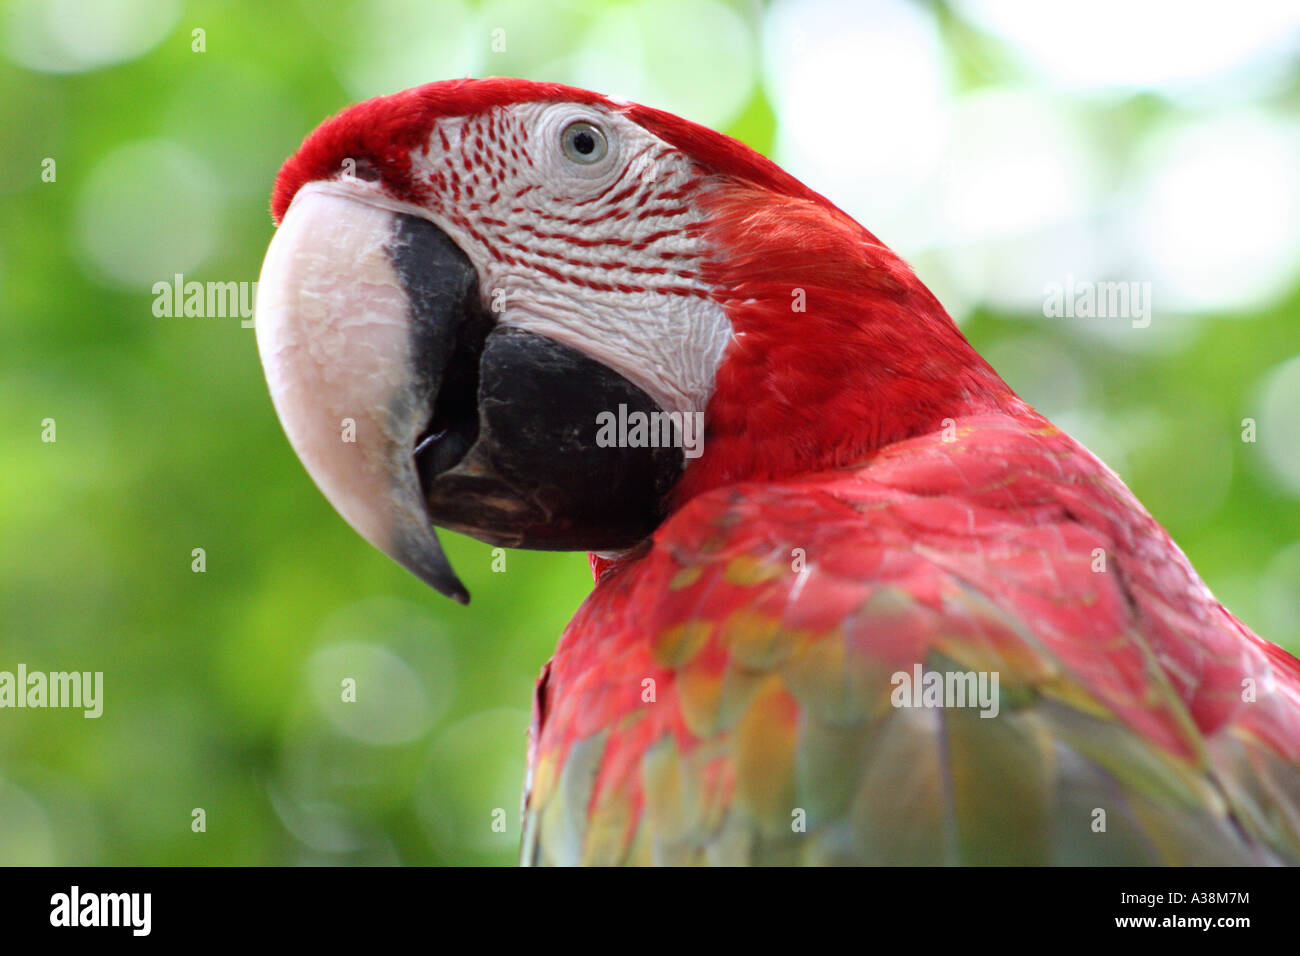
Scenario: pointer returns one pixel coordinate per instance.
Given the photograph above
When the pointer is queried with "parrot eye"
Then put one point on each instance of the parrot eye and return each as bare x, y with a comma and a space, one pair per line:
583, 143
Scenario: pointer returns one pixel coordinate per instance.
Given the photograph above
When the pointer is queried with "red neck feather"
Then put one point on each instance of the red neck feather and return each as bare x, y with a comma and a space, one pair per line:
872, 359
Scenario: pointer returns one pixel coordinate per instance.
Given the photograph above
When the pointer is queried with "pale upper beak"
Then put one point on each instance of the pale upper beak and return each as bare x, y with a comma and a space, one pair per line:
337, 337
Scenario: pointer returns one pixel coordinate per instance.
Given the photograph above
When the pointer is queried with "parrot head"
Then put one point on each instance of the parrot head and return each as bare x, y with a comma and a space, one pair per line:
547, 318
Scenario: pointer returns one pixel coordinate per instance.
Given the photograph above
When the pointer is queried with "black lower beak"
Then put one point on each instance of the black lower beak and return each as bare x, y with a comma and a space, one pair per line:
511, 453
533, 472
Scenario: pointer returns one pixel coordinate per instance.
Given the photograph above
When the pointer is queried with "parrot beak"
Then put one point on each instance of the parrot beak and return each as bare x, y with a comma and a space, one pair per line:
409, 405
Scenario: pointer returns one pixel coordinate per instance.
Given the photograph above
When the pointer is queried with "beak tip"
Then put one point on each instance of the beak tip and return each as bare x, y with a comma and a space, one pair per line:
442, 580
451, 588
421, 554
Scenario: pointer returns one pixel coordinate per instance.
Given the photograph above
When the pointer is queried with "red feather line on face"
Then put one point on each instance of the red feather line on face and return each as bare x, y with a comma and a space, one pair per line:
385, 131
388, 130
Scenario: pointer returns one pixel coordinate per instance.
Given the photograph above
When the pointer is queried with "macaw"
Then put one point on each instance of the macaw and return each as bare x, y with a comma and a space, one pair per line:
879, 610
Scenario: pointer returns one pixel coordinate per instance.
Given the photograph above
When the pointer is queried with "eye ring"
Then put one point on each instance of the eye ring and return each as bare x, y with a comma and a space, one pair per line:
584, 143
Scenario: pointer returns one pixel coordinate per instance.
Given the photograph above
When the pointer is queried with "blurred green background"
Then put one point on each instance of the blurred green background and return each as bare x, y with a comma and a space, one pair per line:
1000, 146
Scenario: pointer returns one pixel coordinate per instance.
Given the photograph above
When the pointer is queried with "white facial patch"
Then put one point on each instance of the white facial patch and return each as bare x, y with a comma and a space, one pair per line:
596, 253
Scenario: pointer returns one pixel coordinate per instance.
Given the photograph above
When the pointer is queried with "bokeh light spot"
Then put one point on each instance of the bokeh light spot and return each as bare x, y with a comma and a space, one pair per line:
393, 45
149, 210
71, 36
1212, 222
475, 769
1278, 432
1166, 45
391, 704
862, 95
642, 52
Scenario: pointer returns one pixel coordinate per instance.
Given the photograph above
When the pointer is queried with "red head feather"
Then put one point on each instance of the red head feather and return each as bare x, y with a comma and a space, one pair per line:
386, 130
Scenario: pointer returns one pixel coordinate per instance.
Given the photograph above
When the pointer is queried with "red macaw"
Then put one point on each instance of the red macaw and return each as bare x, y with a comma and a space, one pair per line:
875, 610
